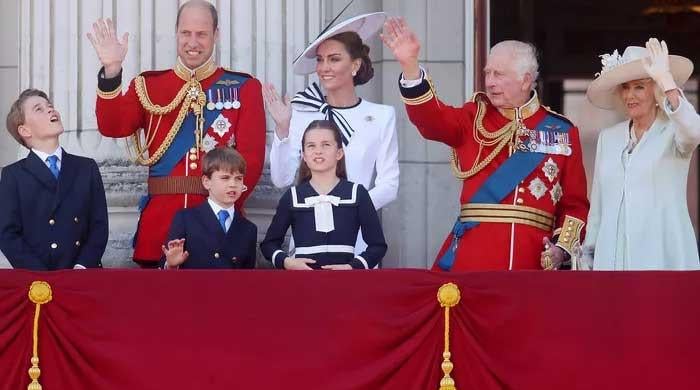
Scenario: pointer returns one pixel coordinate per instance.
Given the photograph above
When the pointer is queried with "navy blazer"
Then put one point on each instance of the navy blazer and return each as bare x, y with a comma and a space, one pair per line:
49, 224
207, 243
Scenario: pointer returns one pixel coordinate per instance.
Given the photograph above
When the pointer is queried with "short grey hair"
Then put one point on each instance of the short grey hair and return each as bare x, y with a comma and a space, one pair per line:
525, 55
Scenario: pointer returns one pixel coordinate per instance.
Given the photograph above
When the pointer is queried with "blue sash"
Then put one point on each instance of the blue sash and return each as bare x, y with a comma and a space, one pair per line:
501, 183
185, 138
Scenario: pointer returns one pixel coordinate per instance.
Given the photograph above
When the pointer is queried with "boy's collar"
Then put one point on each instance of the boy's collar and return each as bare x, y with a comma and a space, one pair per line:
43, 155
217, 207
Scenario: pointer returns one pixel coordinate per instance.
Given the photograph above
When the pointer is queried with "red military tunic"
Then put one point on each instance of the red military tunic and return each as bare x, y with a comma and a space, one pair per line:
550, 201
122, 115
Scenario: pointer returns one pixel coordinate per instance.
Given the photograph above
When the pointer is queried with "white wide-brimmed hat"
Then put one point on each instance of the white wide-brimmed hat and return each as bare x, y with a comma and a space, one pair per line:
621, 69
364, 25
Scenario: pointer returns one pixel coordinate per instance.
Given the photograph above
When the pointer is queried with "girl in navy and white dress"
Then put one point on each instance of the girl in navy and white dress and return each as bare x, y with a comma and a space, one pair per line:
325, 211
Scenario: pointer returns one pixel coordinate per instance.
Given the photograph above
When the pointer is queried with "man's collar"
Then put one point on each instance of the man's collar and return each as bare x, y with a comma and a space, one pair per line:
200, 73
523, 112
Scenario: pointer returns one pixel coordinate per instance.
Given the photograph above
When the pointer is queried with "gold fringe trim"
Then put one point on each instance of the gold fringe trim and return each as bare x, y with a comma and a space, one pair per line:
40, 294
448, 296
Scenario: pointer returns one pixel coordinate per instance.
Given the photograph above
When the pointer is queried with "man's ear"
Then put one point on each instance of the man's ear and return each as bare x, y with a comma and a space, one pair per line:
527, 82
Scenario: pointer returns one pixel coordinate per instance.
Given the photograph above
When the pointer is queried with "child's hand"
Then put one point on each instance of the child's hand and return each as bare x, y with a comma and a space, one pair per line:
298, 264
337, 267
175, 253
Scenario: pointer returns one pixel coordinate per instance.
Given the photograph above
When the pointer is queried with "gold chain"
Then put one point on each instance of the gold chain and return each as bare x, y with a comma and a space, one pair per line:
155, 109
500, 138
196, 104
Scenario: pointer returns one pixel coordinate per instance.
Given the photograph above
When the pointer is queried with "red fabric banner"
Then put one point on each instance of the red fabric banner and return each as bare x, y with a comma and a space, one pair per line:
141, 329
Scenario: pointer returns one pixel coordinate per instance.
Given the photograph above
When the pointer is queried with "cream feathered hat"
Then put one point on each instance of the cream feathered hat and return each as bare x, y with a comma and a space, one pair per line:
621, 69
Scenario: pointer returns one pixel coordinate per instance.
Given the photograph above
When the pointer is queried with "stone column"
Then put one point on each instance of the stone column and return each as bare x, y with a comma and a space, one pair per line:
9, 71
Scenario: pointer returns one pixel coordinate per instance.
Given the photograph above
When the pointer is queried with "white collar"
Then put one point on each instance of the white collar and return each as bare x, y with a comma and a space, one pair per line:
43, 156
216, 208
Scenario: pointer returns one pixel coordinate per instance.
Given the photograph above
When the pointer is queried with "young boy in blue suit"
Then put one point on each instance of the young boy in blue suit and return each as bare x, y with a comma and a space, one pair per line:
214, 234
53, 212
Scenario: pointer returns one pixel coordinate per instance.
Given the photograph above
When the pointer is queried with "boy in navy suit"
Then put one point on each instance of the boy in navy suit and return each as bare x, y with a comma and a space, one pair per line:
54, 213
213, 234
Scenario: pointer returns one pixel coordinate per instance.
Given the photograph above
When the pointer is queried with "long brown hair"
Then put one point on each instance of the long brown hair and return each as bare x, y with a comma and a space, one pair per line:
304, 171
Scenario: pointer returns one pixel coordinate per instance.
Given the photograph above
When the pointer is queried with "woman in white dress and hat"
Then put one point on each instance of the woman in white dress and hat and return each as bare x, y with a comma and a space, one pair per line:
639, 217
341, 61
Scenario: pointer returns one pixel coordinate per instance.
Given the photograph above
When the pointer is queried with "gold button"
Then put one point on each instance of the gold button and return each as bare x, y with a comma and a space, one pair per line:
193, 157
52, 222
193, 150
216, 255
520, 201
54, 246
521, 190
193, 165
76, 220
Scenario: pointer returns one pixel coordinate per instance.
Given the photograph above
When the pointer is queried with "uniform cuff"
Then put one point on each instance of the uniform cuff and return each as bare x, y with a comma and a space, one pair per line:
108, 88
359, 263
418, 94
278, 259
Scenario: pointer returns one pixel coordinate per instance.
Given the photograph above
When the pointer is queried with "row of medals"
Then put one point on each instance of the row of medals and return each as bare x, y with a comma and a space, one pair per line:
547, 142
226, 102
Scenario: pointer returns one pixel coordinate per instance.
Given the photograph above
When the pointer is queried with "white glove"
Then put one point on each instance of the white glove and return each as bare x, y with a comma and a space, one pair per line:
657, 65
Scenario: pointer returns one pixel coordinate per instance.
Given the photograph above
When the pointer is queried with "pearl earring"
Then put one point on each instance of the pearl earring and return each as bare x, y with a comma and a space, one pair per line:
354, 73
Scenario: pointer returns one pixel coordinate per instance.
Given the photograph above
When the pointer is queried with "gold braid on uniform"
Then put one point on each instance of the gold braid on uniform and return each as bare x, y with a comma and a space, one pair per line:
192, 90
484, 137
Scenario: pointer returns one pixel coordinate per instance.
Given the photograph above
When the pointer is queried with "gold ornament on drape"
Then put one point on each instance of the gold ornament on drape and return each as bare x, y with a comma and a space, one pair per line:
40, 294
448, 296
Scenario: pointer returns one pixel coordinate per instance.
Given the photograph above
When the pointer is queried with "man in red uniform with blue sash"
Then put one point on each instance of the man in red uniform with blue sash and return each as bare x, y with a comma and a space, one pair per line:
175, 116
523, 200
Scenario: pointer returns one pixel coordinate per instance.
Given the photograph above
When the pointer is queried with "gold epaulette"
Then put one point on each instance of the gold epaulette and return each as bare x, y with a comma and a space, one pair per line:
111, 94
424, 97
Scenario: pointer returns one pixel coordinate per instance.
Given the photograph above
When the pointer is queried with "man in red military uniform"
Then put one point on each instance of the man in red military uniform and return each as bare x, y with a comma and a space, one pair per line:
175, 116
523, 178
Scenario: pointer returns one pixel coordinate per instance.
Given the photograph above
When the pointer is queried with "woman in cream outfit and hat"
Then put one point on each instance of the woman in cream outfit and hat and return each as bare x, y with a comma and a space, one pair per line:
341, 61
639, 217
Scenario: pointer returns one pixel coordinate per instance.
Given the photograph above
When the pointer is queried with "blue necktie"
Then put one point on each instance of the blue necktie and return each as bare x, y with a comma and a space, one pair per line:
223, 216
53, 165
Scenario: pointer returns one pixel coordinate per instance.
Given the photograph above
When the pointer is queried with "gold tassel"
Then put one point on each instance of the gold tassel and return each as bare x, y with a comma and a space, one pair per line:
448, 295
39, 293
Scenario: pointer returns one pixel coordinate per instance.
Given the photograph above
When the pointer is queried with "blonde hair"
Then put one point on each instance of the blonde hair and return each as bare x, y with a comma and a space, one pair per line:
659, 97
